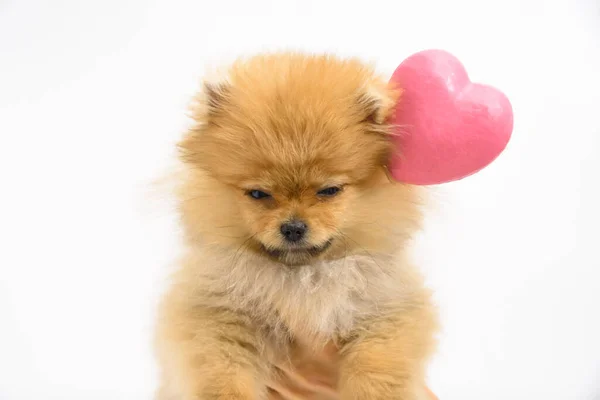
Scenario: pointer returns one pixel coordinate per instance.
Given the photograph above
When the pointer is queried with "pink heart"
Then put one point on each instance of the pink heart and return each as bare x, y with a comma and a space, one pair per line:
447, 127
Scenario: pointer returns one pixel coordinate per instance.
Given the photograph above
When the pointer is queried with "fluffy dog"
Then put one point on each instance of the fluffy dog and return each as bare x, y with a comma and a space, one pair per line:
296, 241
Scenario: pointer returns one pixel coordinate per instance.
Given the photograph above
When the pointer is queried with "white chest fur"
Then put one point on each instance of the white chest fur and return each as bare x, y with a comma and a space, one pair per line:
313, 301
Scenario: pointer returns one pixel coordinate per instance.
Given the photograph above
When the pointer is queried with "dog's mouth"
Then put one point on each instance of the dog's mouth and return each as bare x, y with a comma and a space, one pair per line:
297, 253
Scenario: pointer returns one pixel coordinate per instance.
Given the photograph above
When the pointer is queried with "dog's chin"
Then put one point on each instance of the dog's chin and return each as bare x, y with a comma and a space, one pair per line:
296, 255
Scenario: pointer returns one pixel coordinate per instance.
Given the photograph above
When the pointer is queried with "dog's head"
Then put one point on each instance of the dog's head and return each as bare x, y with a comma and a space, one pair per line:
287, 159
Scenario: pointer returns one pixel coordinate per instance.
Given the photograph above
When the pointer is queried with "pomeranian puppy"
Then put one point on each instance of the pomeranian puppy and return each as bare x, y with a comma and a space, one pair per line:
296, 242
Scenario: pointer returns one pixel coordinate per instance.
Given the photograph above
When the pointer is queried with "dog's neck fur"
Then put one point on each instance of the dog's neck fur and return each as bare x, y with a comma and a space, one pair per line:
316, 303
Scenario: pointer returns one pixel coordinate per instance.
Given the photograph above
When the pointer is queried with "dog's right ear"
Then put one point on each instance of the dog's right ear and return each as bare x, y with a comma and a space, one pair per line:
216, 95
210, 101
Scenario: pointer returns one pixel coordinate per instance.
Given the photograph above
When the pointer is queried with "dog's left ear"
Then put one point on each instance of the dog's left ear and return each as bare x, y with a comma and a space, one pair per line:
377, 102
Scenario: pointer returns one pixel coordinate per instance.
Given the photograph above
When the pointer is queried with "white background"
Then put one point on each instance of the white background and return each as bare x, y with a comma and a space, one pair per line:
93, 95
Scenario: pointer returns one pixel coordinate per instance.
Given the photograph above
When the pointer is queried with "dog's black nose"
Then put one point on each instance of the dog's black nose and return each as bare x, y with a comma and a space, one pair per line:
293, 231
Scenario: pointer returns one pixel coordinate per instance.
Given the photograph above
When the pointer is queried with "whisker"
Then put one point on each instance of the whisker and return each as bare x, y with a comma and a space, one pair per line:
238, 253
364, 250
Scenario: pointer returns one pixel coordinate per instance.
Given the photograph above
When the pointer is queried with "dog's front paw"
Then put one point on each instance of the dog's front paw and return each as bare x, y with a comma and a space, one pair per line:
380, 387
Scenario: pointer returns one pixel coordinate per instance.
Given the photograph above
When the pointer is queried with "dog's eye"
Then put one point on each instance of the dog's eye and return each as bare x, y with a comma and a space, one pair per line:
258, 194
329, 192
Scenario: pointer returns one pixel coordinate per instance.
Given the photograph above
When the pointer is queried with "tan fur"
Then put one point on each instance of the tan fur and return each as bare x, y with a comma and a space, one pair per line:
236, 318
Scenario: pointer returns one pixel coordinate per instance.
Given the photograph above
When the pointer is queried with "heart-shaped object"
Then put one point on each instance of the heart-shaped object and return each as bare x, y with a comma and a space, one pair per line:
447, 128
